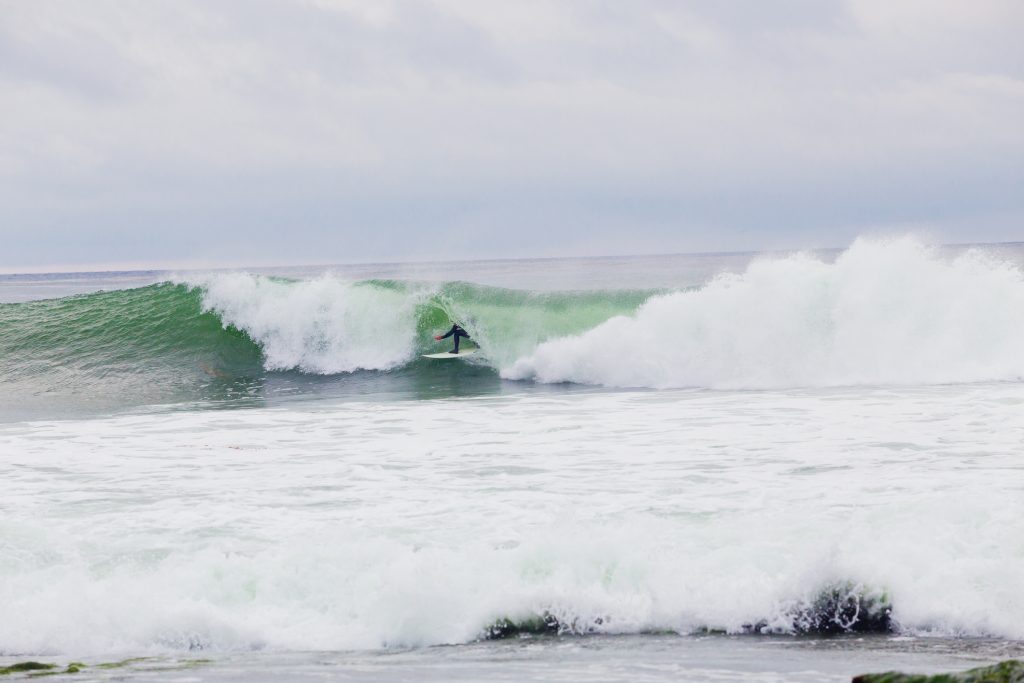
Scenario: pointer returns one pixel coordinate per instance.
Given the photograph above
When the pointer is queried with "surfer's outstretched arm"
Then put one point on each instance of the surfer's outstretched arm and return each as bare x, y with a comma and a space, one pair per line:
448, 334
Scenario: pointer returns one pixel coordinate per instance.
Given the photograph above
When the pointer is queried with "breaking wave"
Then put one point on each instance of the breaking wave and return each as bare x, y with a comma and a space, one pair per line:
882, 312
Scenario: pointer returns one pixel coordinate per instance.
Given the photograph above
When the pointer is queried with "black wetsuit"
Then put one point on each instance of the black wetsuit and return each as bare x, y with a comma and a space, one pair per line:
457, 332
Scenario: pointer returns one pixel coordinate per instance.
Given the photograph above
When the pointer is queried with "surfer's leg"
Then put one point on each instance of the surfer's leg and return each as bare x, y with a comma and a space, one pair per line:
456, 350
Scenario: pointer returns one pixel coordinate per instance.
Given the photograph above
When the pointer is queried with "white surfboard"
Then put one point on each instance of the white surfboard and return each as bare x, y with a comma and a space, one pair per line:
446, 355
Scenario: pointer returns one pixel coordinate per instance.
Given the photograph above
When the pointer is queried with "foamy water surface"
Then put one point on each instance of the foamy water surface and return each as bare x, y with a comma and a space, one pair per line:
404, 524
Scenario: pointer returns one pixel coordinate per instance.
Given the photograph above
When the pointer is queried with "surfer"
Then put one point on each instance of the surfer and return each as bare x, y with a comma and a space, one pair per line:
457, 332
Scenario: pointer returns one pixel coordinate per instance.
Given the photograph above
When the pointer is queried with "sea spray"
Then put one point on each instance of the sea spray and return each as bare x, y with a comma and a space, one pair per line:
885, 312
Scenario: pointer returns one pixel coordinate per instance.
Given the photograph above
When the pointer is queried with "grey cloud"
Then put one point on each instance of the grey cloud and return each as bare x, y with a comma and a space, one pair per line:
336, 129
342, 49
68, 58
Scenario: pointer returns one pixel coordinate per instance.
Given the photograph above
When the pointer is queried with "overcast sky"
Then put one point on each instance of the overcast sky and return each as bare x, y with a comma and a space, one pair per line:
232, 132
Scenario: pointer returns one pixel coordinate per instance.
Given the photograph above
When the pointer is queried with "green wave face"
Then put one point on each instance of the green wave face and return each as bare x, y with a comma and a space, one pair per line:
113, 349
511, 323
233, 339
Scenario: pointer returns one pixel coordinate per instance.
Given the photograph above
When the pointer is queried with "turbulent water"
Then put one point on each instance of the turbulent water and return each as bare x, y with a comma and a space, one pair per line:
745, 444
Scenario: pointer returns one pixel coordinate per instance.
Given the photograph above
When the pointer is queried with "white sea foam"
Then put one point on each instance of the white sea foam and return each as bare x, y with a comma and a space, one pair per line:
324, 325
885, 312
383, 524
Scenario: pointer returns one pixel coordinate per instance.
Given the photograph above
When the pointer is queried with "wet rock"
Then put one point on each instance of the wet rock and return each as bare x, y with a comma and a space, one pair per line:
537, 625
835, 610
1010, 671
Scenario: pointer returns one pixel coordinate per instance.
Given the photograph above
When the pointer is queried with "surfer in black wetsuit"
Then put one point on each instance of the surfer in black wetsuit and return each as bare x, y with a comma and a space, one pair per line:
457, 332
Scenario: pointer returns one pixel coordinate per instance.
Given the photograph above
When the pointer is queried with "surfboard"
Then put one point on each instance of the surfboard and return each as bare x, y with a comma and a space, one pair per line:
446, 355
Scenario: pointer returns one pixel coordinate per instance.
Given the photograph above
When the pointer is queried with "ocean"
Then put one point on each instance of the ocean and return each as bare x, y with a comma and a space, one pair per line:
757, 466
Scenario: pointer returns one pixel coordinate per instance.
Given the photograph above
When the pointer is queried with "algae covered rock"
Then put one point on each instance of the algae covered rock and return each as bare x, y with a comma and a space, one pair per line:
1010, 671
25, 666
543, 623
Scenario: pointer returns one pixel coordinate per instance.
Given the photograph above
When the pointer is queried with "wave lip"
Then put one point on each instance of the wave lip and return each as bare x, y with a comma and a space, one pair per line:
885, 312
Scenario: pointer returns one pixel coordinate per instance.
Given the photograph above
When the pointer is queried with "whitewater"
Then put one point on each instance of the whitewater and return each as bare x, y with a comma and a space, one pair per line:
892, 312
769, 466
